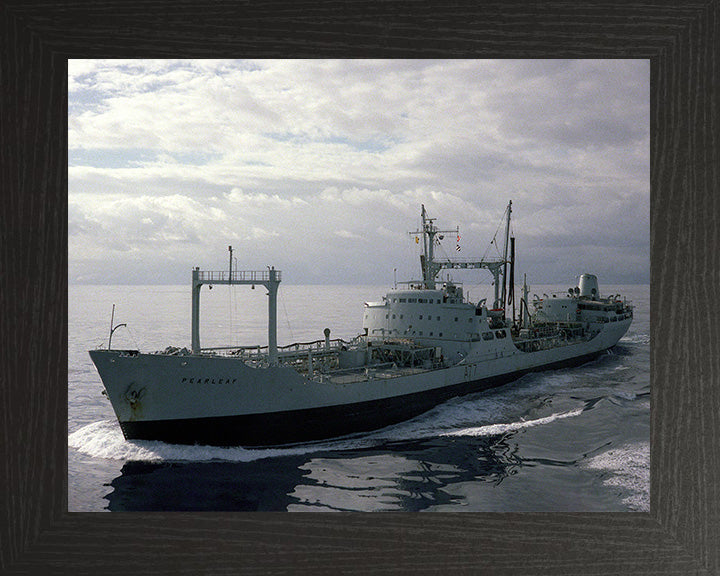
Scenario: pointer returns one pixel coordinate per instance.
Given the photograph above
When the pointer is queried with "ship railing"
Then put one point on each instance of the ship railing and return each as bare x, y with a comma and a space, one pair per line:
297, 349
552, 336
543, 343
420, 285
208, 276
367, 372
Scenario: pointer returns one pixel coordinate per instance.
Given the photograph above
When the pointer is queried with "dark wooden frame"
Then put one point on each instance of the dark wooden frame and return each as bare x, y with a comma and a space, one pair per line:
680, 535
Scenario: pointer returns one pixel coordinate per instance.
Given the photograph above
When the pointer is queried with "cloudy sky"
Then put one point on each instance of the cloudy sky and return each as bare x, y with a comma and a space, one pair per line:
319, 167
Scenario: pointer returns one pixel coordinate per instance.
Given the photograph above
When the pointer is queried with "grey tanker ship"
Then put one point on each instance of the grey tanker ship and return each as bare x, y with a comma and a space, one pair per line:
421, 345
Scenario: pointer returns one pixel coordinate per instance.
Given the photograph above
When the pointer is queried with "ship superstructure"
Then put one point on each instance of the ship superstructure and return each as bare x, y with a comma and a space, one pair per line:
424, 342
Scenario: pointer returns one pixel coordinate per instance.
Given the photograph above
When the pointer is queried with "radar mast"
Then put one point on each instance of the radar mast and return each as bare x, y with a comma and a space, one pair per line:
431, 268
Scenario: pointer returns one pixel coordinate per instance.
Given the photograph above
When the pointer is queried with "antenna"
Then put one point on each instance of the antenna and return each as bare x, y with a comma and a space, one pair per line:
112, 319
505, 254
429, 267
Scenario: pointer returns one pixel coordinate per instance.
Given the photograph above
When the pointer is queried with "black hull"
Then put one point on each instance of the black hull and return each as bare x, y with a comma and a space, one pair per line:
278, 428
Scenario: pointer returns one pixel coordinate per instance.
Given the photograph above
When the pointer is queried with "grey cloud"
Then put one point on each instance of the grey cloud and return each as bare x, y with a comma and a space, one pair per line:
321, 153
575, 104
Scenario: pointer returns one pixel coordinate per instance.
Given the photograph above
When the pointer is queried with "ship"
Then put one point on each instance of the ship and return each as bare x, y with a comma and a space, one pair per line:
422, 344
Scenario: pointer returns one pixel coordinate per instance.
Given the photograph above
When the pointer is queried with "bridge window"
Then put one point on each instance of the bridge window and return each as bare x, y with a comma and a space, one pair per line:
488, 336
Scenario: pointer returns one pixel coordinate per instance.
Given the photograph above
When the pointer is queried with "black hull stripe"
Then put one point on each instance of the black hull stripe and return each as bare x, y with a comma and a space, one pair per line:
278, 428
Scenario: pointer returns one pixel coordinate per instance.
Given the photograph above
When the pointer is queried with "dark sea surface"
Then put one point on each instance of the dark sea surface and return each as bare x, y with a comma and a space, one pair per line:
564, 440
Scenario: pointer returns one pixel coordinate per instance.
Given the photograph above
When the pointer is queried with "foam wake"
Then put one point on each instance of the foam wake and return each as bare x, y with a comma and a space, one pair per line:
636, 338
104, 439
629, 469
496, 429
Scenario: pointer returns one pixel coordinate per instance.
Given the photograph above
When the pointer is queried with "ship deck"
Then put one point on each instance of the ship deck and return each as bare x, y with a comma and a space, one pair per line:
381, 372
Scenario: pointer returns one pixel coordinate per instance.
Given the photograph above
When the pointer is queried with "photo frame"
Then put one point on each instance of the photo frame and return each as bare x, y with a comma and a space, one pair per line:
680, 534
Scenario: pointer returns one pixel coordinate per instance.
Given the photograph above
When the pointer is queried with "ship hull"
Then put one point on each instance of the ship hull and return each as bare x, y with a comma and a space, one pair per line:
312, 424
337, 411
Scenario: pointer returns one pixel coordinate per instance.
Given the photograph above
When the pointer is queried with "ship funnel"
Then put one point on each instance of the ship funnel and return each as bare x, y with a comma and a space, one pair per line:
588, 286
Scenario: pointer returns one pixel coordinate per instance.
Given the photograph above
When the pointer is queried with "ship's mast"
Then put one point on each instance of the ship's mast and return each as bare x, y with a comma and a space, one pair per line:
526, 313
505, 254
427, 231
269, 278
428, 234
431, 268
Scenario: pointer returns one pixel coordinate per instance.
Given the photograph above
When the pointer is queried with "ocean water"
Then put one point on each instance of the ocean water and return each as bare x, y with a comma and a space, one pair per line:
564, 440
